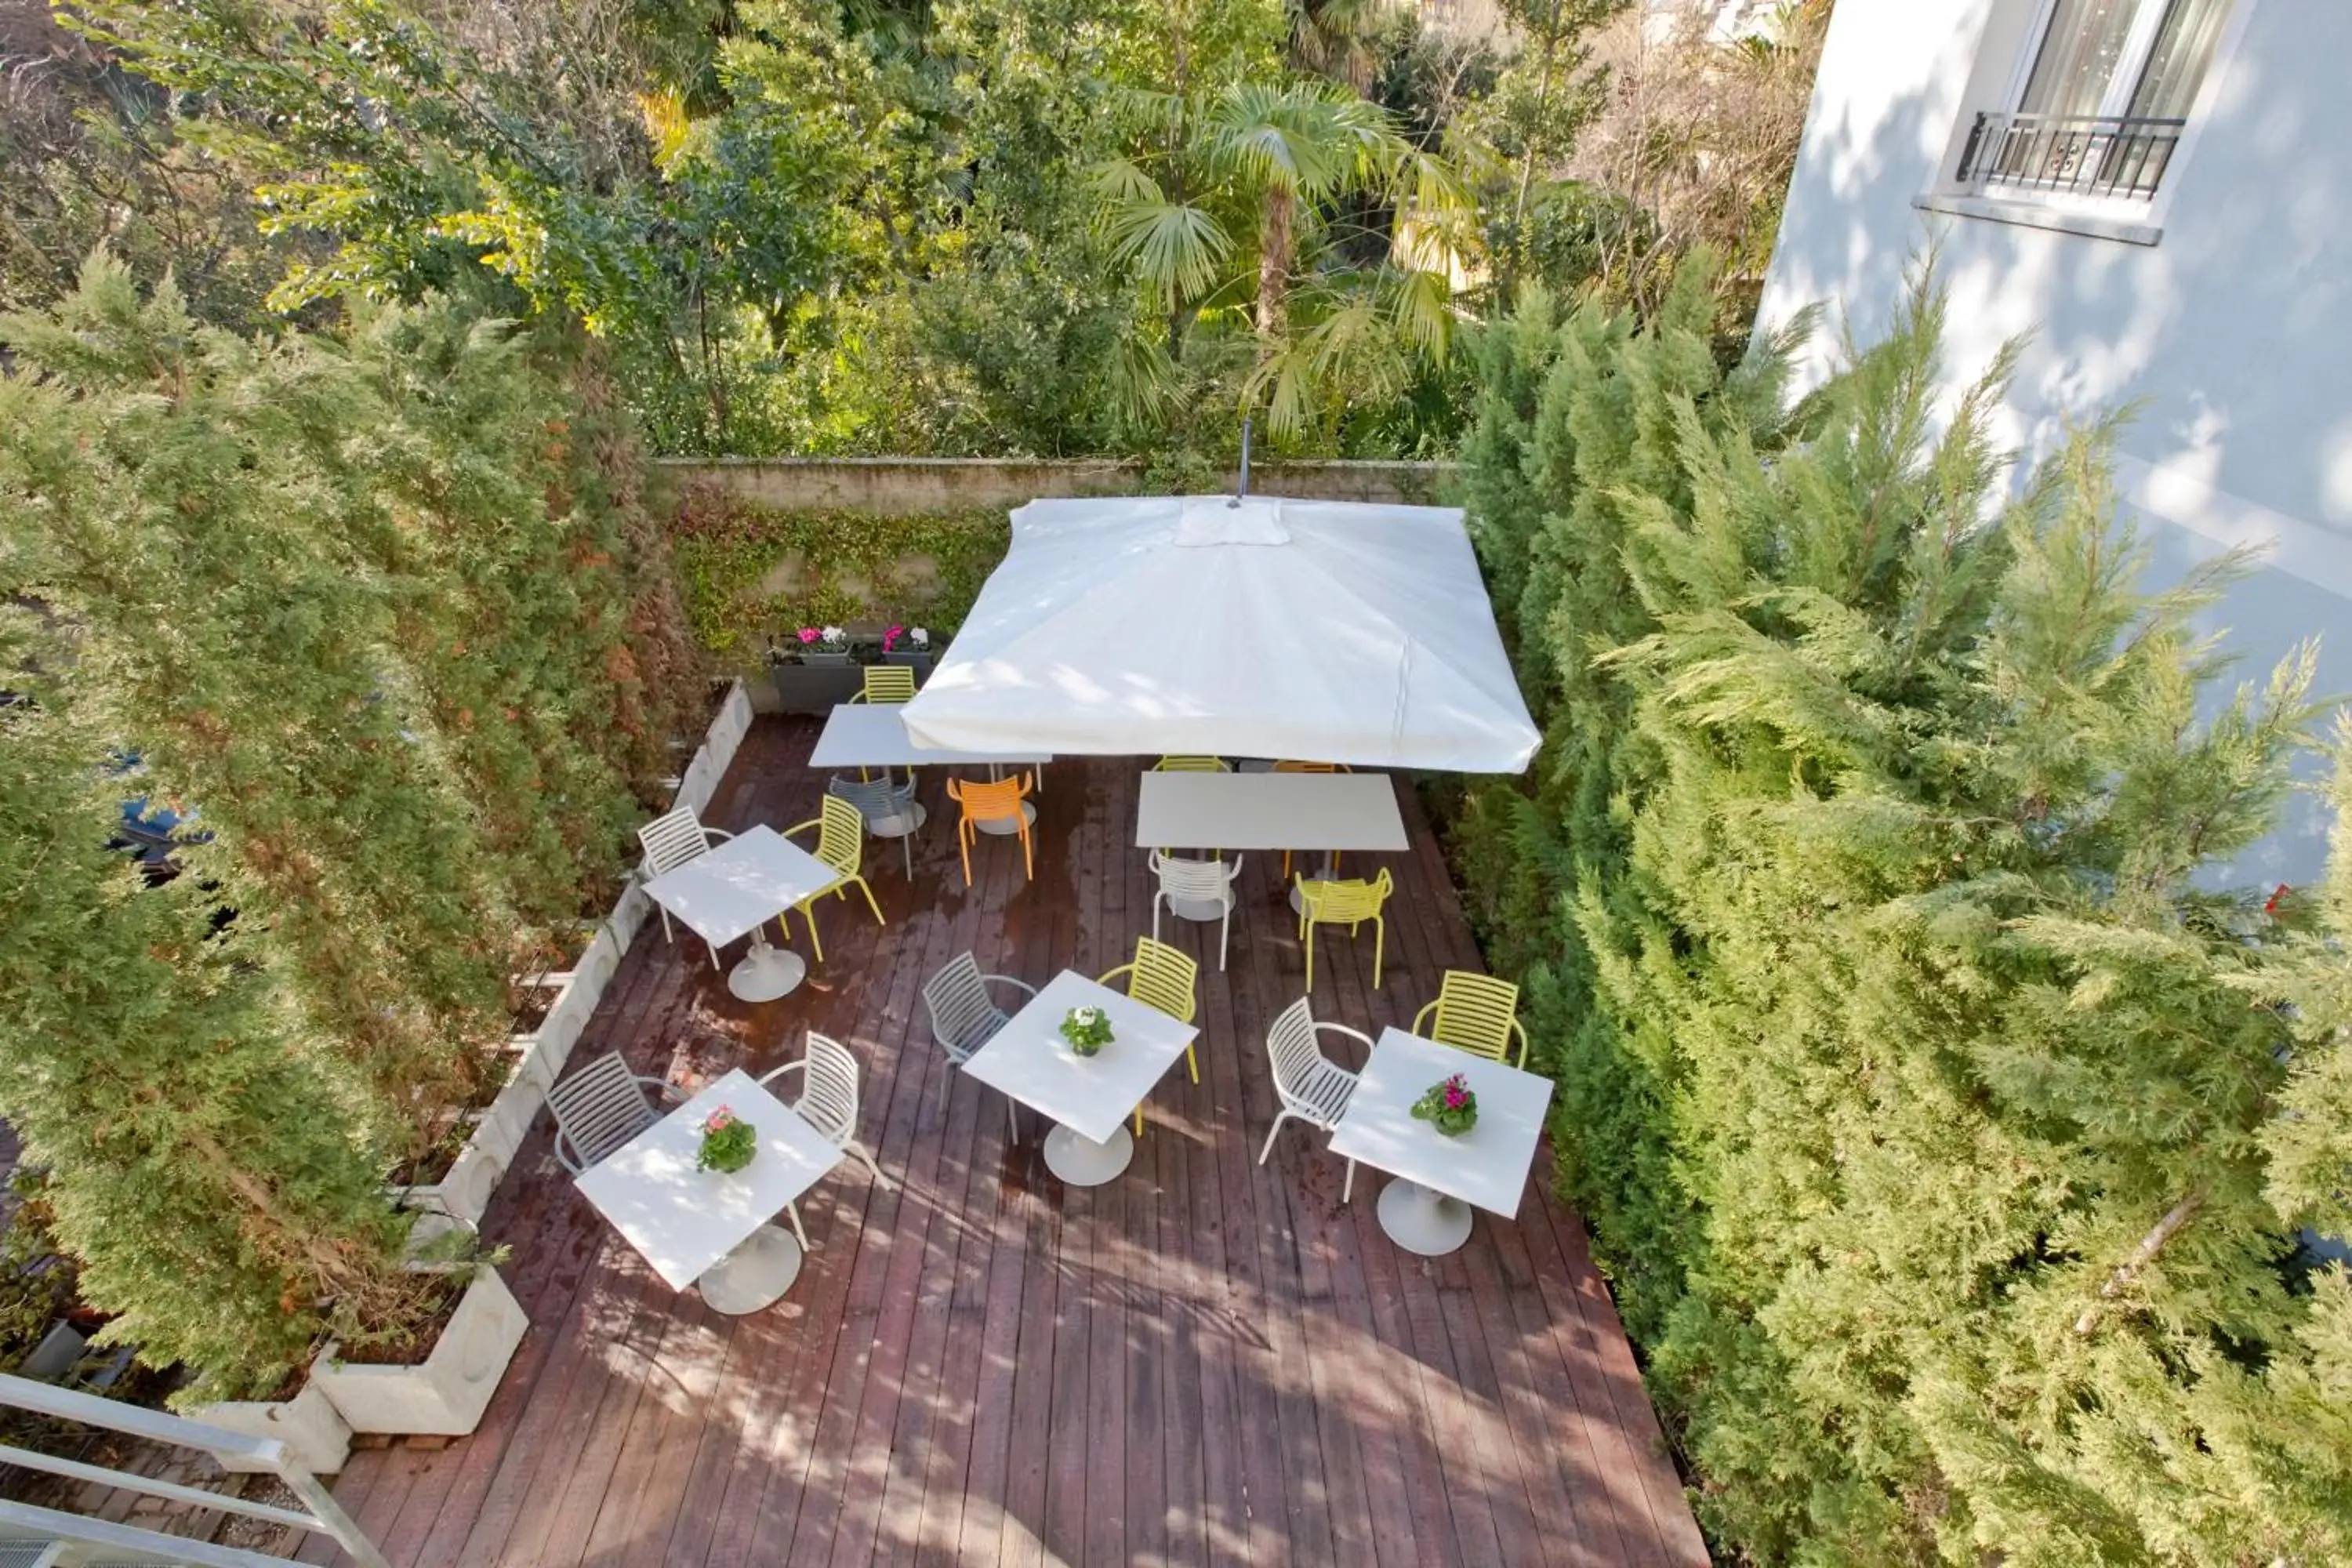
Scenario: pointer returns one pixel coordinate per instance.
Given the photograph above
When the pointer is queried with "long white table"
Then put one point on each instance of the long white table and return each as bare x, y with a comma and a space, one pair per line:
1268, 811
873, 735
1088, 1098
708, 1227
1428, 1210
735, 890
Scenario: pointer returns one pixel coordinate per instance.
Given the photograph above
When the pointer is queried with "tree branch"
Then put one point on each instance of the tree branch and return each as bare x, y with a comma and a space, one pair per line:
2142, 1255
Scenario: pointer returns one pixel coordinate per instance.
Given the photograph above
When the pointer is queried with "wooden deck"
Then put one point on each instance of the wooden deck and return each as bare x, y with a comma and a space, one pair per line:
1205, 1360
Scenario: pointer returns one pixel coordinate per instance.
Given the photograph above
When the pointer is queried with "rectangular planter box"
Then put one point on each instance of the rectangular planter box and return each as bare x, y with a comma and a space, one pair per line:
700, 780
444, 1395
814, 690
316, 1436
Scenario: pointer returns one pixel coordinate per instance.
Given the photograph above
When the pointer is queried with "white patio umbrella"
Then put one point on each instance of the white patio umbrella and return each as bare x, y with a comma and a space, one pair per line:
1322, 630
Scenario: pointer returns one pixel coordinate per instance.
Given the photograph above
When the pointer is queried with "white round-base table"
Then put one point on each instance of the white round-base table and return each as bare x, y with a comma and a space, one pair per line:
1330, 873
754, 1276
1081, 1162
1003, 826
1422, 1219
766, 973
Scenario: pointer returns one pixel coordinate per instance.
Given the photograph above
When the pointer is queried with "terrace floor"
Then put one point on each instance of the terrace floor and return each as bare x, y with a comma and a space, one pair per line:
1205, 1360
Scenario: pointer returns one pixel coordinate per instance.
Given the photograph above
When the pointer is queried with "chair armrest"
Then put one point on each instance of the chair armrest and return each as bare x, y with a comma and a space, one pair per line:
800, 827
1127, 968
1351, 1034
772, 1074
710, 833
1021, 985
1520, 1029
1425, 1012
664, 1090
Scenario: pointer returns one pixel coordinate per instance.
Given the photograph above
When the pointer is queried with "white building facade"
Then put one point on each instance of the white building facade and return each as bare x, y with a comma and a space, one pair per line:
2159, 193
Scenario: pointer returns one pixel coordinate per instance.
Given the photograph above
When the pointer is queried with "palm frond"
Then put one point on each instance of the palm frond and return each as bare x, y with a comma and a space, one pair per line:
1122, 181
1174, 248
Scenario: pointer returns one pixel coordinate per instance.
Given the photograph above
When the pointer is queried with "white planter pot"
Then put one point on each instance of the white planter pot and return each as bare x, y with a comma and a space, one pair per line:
464, 1191
446, 1393
316, 1436
700, 780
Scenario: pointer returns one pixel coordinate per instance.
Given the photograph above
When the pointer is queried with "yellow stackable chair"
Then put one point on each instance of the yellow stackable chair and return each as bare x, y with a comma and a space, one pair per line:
1161, 977
1475, 1013
1192, 765
888, 683
1344, 903
840, 844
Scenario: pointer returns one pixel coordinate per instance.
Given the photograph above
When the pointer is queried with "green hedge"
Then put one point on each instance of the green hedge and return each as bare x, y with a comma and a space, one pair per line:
847, 566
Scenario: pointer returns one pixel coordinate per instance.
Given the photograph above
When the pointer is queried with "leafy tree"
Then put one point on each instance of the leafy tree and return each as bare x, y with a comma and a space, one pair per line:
1906, 1074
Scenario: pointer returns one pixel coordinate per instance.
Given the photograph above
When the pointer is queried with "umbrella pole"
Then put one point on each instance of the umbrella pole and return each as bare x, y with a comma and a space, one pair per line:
1242, 492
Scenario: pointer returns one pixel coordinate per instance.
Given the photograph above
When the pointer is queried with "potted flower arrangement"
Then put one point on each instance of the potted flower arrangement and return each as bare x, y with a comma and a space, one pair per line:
1088, 1030
824, 646
728, 1142
909, 646
1450, 1107
812, 671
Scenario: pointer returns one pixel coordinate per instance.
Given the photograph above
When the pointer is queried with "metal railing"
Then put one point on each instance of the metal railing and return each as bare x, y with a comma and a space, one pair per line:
18, 1522
2112, 155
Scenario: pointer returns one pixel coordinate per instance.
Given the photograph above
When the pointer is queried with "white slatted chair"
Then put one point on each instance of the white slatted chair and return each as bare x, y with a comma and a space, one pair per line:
601, 1107
1313, 1088
964, 1016
889, 808
828, 1103
1200, 882
671, 841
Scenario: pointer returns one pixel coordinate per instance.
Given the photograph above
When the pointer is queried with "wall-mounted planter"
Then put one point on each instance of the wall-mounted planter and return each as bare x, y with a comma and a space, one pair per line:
446, 1393
814, 690
316, 1436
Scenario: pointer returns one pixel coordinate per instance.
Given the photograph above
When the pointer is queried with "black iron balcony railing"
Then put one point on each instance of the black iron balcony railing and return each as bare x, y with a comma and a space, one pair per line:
2073, 155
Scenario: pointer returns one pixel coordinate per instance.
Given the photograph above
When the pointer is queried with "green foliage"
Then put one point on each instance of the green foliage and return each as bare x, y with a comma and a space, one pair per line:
750, 573
1908, 1075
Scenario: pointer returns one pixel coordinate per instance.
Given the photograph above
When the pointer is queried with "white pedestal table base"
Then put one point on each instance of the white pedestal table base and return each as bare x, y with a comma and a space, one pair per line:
1081, 1162
1422, 1219
766, 972
755, 1275
1001, 826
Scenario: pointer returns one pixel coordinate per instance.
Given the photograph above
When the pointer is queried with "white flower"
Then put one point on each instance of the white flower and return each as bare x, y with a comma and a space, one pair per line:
833, 634
920, 637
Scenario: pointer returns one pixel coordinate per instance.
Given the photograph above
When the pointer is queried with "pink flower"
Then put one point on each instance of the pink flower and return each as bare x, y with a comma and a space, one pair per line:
808, 635
891, 637
720, 1119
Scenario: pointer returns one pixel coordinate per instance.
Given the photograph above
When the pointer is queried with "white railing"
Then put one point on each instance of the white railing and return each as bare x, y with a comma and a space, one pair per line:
22, 1522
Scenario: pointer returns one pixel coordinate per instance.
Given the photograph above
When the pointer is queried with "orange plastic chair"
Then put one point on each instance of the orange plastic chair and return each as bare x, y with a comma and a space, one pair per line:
1164, 978
998, 801
1309, 768
1475, 1013
1344, 903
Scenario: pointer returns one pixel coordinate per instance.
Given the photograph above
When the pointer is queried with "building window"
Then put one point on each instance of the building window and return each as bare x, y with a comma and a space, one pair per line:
2102, 98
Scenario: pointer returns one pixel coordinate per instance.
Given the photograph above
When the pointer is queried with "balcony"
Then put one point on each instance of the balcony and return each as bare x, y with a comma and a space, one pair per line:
2099, 157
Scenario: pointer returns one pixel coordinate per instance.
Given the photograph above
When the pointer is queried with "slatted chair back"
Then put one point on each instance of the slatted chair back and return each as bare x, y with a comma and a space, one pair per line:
1192, 765
888, 683
876, 800
1290, 1047
840, 836
984, 802
1345, 903
1160, 977
597, 1109
964, 1017
1293, 767
1475, 1012
828, 1101
1207, 881
672, 839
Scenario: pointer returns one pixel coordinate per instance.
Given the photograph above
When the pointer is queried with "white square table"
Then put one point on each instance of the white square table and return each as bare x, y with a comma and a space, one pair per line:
708, 1227
874, 735
1428, 1212
736, 888
1330, 812
1088, 1098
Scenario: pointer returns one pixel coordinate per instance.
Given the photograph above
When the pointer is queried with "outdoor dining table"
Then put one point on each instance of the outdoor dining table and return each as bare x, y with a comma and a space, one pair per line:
1330, 812
1427, 1211
874, 735
1088, 1098
710, 1228
735, 890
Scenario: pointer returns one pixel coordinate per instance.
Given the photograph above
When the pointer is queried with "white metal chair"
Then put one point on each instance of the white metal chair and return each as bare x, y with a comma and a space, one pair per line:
1313, 1088
1197, 882
889, 808
828, 1103
601, 1107
964, 1016
671, 841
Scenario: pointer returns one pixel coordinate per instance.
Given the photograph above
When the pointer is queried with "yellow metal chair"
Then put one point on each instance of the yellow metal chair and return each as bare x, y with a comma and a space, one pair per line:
1344, 903
998, 801
1290, 767
888, 683
840, 844
1475, 1013
1192, 765
1160, 976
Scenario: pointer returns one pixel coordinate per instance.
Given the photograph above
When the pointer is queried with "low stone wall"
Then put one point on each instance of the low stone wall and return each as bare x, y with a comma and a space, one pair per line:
900, 487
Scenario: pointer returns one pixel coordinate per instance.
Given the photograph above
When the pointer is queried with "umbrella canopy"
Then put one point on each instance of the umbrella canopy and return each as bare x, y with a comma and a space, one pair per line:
1326, 631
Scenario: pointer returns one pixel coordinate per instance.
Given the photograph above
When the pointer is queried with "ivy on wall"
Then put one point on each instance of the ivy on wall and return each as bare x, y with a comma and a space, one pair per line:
748, 572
